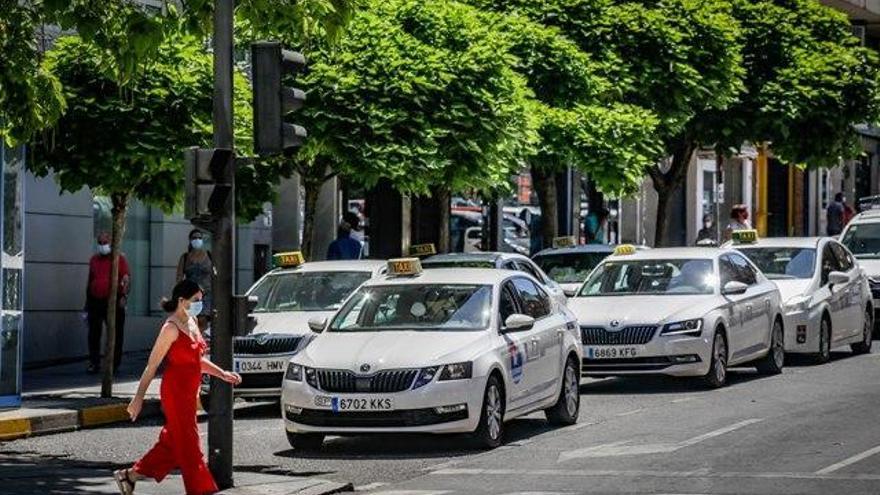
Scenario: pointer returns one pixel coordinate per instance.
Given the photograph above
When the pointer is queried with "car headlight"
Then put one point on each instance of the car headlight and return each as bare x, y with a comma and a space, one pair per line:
311, 376
456, 371
686, 327
426, 375
294, 372
797, 304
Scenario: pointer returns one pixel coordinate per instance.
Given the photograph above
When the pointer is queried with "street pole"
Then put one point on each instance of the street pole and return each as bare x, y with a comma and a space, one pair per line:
220, 418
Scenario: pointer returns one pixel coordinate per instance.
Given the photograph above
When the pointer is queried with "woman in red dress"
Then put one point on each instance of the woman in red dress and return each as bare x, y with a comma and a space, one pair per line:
181, 346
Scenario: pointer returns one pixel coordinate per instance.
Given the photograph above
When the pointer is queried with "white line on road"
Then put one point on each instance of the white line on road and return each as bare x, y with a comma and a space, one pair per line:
849, 461
370, 486
630, 412
700, 473
621, 448
412, 492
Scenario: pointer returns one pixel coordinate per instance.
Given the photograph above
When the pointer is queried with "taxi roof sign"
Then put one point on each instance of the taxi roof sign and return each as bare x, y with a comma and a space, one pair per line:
564, 242
403, 267
744, 236
289, 259
624, 250
422, 250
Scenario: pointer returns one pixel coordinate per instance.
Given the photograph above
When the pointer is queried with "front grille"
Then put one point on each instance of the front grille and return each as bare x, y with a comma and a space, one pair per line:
343, 381
406, 417
632, 335
609, 366
261, 380
262, 344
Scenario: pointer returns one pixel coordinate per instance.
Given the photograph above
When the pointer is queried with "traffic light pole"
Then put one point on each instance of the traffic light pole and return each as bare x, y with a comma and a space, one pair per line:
220, 419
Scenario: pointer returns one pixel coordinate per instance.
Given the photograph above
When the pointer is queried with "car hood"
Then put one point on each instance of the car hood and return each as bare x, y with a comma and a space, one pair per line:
792, 287
287, 322
871, 267
392, 349
635, 310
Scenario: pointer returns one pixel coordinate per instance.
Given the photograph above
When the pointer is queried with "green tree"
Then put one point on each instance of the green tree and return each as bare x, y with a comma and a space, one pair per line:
421, 94
115, 139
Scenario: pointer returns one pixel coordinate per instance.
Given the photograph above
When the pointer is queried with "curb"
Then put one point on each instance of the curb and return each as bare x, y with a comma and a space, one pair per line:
32, 422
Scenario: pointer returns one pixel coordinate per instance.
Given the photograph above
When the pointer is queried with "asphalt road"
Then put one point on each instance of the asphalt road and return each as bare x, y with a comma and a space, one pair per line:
811, 430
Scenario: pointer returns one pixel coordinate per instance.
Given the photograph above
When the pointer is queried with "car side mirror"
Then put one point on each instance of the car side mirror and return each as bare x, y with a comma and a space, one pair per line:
733, 288
317, 324
570, 292
837, 278
517, 322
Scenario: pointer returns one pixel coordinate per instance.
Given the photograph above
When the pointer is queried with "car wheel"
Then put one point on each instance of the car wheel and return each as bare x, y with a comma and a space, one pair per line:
305, 442
567, 407
824, 354
490, 432
772, 363
864, 347
717, 375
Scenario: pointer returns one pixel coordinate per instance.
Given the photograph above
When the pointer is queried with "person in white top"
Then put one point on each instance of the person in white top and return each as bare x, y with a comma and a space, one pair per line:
739, 220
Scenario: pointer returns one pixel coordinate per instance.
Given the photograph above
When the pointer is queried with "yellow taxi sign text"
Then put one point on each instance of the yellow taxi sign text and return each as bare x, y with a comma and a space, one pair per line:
564, 242
289, 259
404, 267
744, 236
422, 250
624, 250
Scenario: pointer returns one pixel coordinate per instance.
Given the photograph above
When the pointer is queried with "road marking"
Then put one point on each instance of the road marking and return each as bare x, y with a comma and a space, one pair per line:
370, 486
622, 448
630, 412
412, 492
678, 401
849, 461
700, 473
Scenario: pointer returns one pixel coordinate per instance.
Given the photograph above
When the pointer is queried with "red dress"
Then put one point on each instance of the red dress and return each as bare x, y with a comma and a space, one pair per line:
179, 444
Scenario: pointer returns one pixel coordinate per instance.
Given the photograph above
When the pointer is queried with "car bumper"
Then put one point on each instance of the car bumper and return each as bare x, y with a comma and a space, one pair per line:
673, 356
413, 410
802, 331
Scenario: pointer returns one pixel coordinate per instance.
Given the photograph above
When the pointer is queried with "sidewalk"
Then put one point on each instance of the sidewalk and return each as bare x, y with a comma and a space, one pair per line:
23, 473
65, 398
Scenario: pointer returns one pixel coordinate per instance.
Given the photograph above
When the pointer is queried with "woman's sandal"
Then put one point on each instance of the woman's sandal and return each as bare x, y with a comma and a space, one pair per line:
124, 481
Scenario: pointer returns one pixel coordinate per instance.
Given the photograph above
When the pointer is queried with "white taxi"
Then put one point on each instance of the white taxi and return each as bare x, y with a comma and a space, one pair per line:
439, 351
679, 312
862, 237
287, 297
827, 299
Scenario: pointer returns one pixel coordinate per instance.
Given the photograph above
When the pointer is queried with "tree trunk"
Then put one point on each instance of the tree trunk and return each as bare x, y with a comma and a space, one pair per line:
444, 197
312, 189
120, 207
545, 187
666, 183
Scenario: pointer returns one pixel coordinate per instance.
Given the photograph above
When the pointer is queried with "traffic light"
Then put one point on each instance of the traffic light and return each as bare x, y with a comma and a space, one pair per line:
209, 174
272, 101
243, 309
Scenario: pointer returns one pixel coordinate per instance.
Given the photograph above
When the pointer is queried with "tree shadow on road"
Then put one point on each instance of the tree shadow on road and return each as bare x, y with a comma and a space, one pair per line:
649, 385
31, 473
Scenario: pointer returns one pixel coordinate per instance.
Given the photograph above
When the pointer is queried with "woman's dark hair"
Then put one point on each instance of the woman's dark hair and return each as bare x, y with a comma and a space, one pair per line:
184, 289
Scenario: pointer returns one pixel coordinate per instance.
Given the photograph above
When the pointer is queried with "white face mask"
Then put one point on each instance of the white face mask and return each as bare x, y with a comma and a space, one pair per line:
104, 249
195, 308
197, 243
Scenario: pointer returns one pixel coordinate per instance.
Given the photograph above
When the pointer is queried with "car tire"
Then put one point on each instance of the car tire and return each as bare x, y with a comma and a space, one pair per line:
490, 432
567, 407
824, 354
305, 442
864, 347
774, 361
717, 375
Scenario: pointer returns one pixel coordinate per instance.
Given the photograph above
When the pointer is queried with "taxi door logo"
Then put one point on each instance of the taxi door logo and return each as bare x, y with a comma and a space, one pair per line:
516, 362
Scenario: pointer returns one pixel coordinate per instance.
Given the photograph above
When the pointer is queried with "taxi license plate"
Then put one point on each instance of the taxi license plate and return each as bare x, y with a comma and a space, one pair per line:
612, 352
257, 365
339, 404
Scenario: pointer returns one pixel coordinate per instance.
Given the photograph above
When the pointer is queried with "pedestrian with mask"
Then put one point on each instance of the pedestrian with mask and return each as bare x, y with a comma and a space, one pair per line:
197, 265
98, 299
181, 348
706, 235
739, 220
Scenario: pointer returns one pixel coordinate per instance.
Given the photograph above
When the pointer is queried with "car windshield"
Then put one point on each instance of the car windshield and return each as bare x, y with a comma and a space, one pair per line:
783, 262
656, 277
863, 240
569, 268
458, 264
429, 307
306, 291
